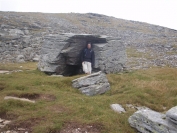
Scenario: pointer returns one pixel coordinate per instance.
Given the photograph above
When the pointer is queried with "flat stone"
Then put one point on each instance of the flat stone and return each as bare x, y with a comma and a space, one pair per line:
117, 108
1, 120
16, 98
6, 122
172, 114
56, 76
149, 121
3, 71
93, 84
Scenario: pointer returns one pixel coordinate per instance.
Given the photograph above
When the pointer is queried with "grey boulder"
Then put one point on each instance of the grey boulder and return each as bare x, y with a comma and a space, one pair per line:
172, 114
92, 84
60, 53
149, 121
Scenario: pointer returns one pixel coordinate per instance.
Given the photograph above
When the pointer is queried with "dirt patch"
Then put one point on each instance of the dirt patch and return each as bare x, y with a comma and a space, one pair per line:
75, 127
7, 116
25, 126
31, 96
47, 97
58, 109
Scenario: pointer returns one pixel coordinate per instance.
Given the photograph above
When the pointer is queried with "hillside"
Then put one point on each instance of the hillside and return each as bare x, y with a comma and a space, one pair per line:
147, 45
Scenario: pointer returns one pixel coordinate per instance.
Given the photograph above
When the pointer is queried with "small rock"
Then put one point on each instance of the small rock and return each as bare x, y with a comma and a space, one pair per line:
20, 58
36, 59
16, 98
117, 108
130, 106
1, 120
6, 122
21, 129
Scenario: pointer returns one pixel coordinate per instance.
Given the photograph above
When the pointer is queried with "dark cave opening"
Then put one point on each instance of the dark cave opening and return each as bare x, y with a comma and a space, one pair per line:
72, 70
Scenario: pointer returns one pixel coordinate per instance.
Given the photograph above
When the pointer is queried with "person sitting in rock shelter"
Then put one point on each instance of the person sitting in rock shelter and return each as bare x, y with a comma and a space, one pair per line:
88, 58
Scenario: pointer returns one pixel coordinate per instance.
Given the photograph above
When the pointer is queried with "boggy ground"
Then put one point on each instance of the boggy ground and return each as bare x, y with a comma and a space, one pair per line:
59, 108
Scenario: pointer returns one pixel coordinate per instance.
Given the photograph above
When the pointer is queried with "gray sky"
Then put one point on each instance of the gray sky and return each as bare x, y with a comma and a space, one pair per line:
159, 12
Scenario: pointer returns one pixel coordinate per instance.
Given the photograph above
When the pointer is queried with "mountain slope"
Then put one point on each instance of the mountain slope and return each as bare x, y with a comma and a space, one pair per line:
147, 45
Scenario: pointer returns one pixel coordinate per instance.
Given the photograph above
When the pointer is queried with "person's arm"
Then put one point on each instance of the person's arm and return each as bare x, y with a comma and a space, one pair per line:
93, 59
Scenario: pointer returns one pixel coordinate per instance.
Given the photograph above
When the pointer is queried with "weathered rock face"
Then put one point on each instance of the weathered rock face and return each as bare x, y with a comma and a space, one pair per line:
60, 53
149, 121
18, 46
93, 84
172, 114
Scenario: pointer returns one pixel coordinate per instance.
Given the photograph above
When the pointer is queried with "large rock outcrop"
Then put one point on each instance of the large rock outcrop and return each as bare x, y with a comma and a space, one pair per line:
149, 121
60, 53
93, 84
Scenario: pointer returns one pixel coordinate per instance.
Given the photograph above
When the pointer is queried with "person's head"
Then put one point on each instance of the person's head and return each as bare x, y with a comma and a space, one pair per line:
89, 45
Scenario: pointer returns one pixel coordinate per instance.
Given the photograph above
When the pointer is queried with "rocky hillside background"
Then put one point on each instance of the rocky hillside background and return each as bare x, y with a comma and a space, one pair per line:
21, 36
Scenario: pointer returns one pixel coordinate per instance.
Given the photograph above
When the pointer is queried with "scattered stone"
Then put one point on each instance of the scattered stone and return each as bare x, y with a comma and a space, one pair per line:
117, 108
16, 98
21, 129
130, 106
92, 84
2, 126
4, 122
172, 114
149, 121
17, 71
10, 131
136, 107
142, 107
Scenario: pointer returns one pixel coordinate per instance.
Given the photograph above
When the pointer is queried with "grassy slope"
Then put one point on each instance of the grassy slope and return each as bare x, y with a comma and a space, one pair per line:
155, 88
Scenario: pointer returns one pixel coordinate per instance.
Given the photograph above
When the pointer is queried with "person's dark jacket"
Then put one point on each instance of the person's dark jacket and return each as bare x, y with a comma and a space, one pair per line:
88, 55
